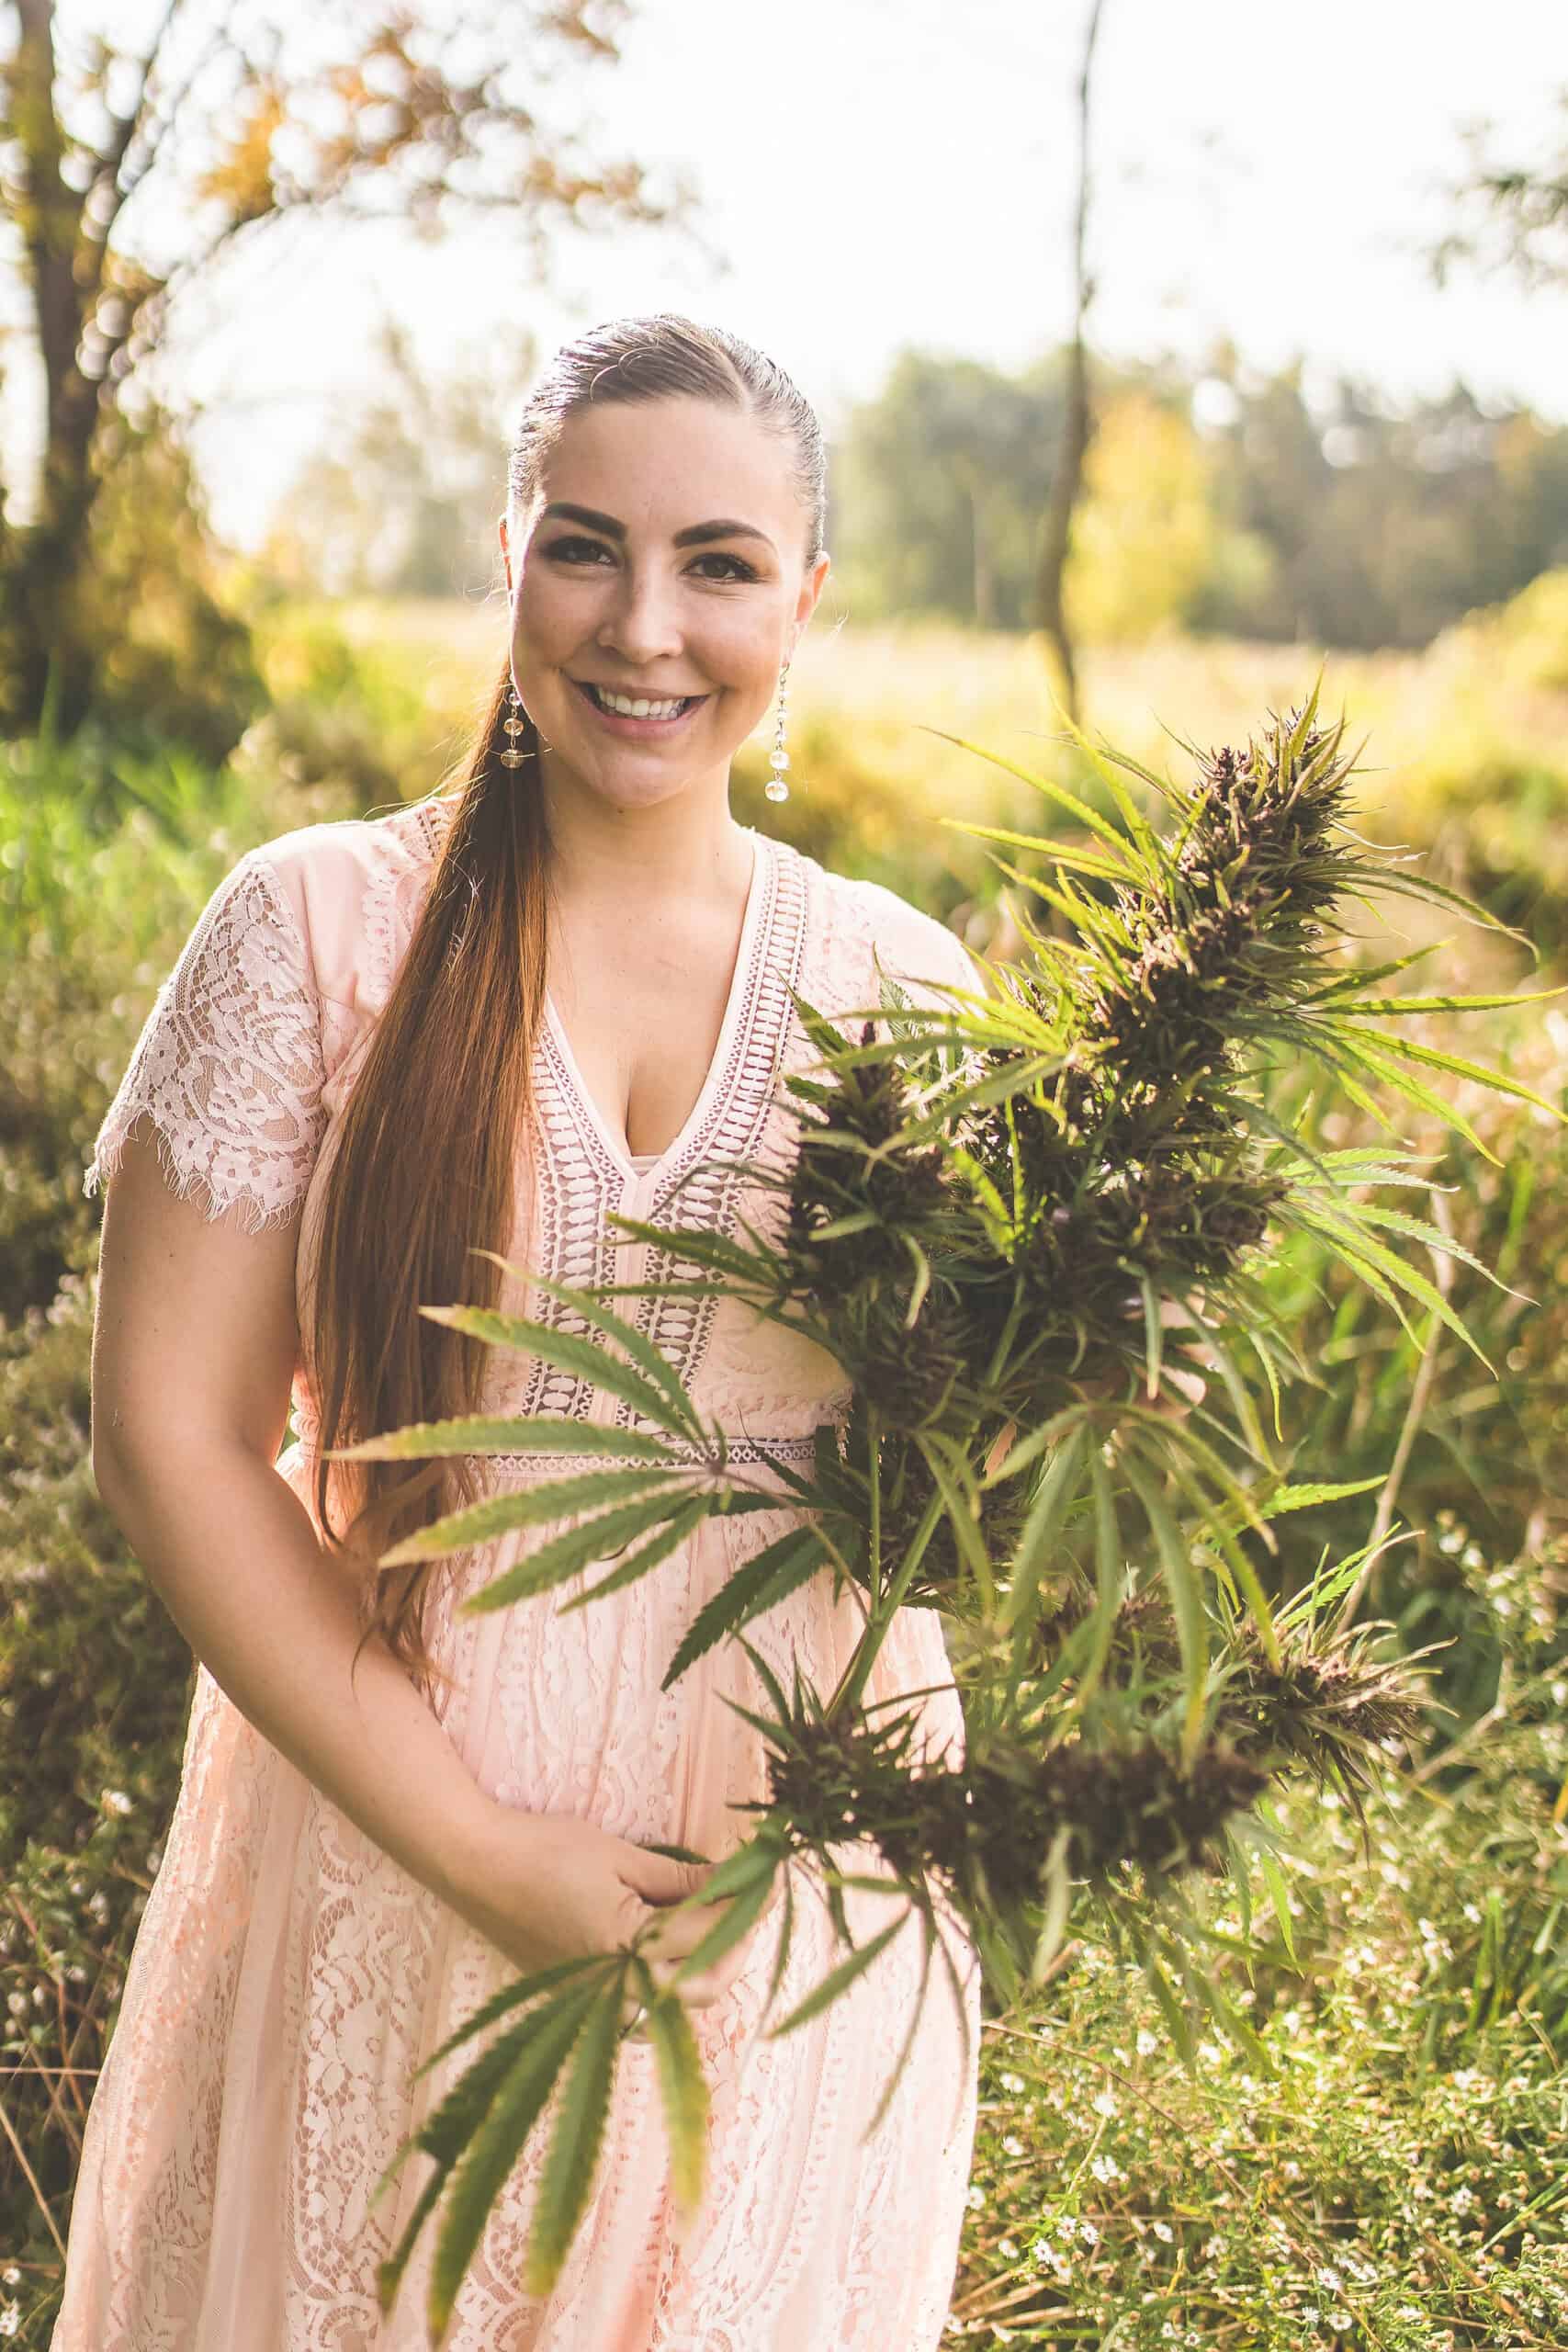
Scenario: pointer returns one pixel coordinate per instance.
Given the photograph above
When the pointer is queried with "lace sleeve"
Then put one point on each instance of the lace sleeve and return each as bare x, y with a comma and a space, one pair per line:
228, 1065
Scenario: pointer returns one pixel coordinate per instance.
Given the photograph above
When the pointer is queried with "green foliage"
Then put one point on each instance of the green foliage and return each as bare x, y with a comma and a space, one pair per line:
156, 602
1389, 2171
1344, 522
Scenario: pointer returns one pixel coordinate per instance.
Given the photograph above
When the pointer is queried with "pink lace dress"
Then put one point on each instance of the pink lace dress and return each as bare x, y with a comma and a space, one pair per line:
287, 1977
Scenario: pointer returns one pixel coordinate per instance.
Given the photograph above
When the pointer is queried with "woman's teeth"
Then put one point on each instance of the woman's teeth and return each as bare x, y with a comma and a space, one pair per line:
626, 708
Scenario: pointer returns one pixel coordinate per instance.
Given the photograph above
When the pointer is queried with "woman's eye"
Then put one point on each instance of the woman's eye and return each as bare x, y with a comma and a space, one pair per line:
568, 550
741, 569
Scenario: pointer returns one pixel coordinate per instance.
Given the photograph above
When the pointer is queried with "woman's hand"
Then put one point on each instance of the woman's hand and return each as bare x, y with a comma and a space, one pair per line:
547, 1887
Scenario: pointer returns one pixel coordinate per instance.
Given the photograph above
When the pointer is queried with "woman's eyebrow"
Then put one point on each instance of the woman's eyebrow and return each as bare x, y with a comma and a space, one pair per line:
695, 534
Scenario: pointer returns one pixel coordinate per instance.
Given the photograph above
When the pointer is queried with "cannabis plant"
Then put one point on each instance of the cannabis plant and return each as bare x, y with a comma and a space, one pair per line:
1014, 1215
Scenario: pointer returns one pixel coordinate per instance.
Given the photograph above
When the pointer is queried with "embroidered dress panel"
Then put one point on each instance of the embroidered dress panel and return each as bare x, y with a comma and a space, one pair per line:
289, 1979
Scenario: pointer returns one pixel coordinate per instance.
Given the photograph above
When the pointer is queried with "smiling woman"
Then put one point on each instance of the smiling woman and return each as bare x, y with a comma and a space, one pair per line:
488, 1022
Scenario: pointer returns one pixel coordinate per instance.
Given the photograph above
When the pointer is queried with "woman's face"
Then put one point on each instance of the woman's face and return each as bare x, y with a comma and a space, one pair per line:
681, 576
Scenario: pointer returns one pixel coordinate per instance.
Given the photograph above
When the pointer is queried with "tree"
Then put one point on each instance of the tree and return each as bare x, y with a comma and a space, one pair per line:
227, 120
1145, 535
1507, 214
406, 506
1068, 476
938, 485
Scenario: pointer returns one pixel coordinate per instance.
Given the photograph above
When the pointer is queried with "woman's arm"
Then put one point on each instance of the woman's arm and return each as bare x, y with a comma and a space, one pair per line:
193, 1353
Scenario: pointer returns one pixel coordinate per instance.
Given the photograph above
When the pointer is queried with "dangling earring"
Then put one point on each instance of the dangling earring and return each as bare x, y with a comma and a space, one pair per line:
778, 786
511, 727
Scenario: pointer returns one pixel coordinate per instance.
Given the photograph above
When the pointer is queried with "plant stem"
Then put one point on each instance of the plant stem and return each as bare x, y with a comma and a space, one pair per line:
854, 1679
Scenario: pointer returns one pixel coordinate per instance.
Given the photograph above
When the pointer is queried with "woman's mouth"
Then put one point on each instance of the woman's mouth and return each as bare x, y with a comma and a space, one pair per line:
646, 718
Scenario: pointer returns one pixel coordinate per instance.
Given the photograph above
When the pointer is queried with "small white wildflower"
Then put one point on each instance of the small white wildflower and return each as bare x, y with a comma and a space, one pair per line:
1340, 2319
1103, 2104
1310, 2313
1011, 2082
11, 2275
976, 2198
1089, 2234
116, 1801
1211, 2052
1329, 2279
1105, 2168
1012, 2145
1067, 2225
1148, 2044
17, 2004
1006, 2247
1164, 2232
10, 2318
1461, 2200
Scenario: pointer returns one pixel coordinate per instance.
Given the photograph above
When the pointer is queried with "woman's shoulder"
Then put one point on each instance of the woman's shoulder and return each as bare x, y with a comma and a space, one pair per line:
905, 942
348, 855
353, 885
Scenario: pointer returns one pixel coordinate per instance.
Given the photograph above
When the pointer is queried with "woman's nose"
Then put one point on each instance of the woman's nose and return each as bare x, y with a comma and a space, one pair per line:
642, 622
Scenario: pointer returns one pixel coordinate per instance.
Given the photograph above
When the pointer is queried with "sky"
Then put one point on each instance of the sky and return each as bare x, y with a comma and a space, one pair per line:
879, 173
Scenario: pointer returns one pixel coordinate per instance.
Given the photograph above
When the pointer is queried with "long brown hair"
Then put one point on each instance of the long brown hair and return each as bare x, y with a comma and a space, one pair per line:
433, 1126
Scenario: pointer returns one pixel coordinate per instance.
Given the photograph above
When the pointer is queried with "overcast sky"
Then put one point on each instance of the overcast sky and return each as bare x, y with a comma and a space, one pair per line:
881, 173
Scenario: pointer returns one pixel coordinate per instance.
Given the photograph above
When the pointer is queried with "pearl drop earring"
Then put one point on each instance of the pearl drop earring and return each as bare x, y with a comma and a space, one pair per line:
778, 786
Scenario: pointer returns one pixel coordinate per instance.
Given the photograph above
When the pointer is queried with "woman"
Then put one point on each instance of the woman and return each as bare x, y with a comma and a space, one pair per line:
494, 1017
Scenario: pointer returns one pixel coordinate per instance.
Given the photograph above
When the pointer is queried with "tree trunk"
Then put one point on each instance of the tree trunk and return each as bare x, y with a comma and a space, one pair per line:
44, 558
1067, 477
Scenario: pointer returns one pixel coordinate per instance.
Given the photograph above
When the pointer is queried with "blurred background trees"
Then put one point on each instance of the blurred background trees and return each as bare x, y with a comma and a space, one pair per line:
1227, 503
405, 504
128, 171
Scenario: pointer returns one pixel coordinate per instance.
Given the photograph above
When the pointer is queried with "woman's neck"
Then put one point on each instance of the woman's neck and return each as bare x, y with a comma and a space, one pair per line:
616, 860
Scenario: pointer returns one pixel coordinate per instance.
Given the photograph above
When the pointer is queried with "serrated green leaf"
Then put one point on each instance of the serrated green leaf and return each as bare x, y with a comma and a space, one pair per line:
638, 1345
498, 1515
1047, 1516
575, 2143
839, 1978
907, 2046
637, 1563
683, 2088
741, 1910
1080, 810
499, 2142
766, 1578
1184, 1584
562, 1555
571, 1353
523, 1988
524, 1433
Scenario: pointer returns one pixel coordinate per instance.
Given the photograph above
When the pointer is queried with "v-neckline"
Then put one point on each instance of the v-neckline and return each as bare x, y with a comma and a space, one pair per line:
736, 1006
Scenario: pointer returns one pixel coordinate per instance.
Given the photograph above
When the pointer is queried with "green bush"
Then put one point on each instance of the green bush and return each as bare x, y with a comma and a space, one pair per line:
1394, 2177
